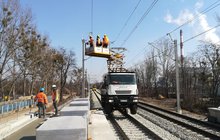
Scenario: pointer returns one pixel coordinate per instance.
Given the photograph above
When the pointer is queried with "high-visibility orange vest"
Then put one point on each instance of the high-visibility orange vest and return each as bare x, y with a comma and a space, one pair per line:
105, 40
41, 97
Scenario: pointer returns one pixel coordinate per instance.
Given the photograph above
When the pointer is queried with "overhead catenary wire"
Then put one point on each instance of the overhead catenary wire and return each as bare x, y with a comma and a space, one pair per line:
189, 39
158, 54
183, 42
91, 17
122, 29
193, 37
143, 49
209, 8
201, 33
139, 22
136, 56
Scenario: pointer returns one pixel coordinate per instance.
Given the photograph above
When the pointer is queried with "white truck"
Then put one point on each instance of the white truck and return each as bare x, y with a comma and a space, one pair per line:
119, 91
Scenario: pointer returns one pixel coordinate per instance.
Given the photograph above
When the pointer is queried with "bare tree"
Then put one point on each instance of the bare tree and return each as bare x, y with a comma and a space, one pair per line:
26, 57
11, 18
210, 52
165, 62
76, 78
139, 70
151, 74
65, 62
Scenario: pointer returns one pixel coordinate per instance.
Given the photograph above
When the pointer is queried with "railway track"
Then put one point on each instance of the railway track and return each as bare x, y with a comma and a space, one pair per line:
132, 127
128, 128
181, 126
152, 122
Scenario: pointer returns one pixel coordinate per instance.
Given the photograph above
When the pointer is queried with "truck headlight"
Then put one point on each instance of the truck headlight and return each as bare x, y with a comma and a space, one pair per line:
135, 101
110, 101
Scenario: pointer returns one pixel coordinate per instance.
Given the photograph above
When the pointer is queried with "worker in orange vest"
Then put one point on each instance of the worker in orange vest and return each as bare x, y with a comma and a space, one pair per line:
98, 41
55, 98
91, 41
105, 41
42, 101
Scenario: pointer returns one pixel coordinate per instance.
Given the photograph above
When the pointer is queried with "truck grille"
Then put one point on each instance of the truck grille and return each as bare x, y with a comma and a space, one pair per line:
123, 91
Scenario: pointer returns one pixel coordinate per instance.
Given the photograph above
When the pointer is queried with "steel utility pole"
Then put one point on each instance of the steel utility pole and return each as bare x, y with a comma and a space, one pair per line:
83, 69
177, 78
181, 47
88, 79
183, 87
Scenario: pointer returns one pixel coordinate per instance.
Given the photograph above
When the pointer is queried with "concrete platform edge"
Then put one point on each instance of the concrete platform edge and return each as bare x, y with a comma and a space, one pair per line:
12, 128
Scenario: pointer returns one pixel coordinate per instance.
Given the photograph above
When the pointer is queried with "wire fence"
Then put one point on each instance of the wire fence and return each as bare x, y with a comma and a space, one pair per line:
9, 107
17, 105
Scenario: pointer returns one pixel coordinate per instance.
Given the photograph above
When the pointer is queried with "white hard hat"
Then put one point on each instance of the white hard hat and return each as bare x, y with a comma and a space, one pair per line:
54, 86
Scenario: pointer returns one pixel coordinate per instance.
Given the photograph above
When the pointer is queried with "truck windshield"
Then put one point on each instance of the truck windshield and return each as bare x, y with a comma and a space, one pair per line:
122, 79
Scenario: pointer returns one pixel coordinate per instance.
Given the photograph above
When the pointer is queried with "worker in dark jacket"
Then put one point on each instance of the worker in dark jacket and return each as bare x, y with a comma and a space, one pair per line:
98, 41
42, 101
91, 41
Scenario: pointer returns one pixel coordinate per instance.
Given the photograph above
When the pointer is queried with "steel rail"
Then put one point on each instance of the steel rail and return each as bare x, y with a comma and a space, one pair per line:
113, 121
143, 127
195, 129
206, 124
118, 127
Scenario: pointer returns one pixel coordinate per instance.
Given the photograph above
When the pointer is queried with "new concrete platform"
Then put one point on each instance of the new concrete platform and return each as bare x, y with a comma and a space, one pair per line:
99, 127
63, 128
74, 111
81, 99
76, 124
15, 124
79, 103
214, 114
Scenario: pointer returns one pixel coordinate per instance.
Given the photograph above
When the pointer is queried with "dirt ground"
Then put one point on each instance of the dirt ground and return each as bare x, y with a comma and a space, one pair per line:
170, 104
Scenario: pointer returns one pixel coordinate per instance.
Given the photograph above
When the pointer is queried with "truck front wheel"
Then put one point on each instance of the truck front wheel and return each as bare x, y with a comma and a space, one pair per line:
133, 109
103, 100
108, 108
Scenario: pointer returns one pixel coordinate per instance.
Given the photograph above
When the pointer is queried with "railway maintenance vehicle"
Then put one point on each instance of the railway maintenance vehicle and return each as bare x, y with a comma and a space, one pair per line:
119, 89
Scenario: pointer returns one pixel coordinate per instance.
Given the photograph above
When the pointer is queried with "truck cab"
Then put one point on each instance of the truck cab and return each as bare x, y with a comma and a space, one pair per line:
119, 91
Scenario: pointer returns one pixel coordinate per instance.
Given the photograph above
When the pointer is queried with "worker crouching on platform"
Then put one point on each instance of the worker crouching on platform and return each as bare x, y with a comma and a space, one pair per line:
42, 101
55, 98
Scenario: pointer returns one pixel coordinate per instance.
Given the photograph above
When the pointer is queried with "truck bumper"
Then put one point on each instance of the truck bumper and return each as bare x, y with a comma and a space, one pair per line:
122, 101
